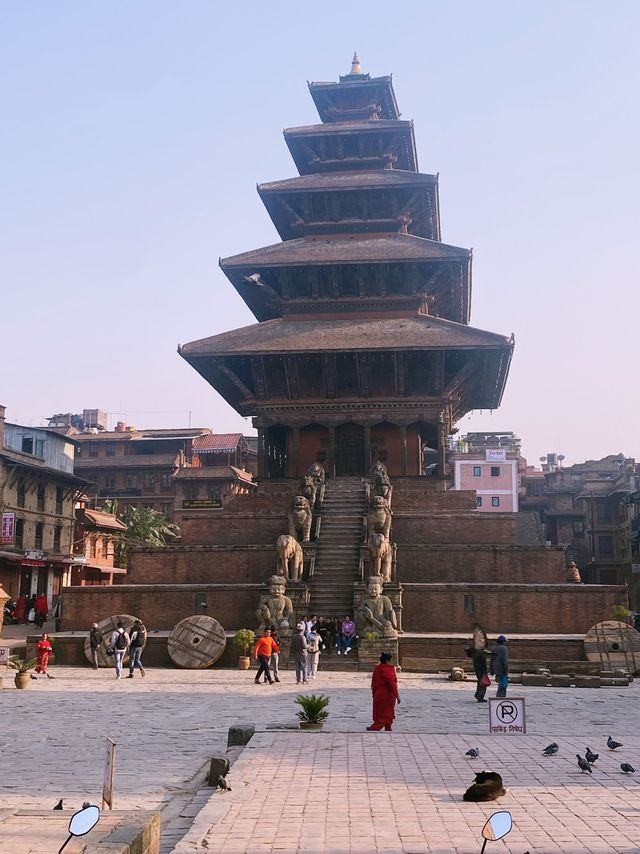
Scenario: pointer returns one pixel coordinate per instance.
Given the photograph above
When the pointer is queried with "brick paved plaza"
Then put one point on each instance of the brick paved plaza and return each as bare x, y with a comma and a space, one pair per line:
344, 790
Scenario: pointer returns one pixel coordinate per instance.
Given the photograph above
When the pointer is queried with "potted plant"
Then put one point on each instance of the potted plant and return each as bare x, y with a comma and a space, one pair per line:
621, 613
22, 666
244, 639
314, 711
371, 636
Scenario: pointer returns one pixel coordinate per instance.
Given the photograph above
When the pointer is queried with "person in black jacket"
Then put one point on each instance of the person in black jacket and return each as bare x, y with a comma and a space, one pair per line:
138, 640
500, 665
478, 654
95, 639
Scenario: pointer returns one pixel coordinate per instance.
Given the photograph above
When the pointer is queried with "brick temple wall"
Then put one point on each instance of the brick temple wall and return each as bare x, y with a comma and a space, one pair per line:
505, 564
544, 608
461, 527
202, 565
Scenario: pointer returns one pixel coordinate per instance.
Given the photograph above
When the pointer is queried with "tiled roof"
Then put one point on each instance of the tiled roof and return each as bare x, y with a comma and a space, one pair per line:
401, 333
216, 443
351, 127
324, 251
103, 520
214, 473
129, 462
356, 181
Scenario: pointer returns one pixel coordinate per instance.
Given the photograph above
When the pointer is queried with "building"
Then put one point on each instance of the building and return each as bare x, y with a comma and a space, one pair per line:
38, 493
490, 464
94, 547
135, 467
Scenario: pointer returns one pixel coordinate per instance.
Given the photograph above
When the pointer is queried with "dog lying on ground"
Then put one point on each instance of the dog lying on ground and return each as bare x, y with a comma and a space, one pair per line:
487, 787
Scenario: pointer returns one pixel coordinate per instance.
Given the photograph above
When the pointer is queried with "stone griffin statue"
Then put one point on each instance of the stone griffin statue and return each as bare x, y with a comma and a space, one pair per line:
307, 488
300, 517
379, 517
375, 613
275, 610
317, 472
290, 557
381, 552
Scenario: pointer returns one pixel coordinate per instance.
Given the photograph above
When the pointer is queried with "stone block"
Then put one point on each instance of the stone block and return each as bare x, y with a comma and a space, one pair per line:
218, 767
240, 734
586, 681
369, 652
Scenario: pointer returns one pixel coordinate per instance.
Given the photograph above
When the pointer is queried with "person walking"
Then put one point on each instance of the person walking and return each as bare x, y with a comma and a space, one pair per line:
43, 651
500, 665
384, 689
299, 648
119, 644
313, 653
262, 652
138, 642
478, 654
347, 634
20, 612
275, 659
95, 639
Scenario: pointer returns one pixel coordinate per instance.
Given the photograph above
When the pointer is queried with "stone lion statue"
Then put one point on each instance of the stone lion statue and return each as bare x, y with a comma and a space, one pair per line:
275, 610
381, 552
379, 517
300, 517
317, 472
290, 557
307, 488
375, 613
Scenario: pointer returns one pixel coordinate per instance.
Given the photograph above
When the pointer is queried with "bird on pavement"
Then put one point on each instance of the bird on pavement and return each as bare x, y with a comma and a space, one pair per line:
583, 764
59, 806
551, 749
223, 785
612, 745
473, 752
590, 756
628, 769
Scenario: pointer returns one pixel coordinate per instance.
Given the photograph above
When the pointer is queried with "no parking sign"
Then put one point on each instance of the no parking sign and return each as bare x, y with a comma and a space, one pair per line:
507, 716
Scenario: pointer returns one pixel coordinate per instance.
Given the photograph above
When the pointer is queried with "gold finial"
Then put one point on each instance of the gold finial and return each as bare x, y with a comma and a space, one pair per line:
355, 64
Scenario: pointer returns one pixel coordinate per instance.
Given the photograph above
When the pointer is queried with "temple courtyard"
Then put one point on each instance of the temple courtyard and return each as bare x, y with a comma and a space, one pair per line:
343, 790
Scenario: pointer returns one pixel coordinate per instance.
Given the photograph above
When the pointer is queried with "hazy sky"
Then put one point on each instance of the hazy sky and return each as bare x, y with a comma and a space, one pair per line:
134, 135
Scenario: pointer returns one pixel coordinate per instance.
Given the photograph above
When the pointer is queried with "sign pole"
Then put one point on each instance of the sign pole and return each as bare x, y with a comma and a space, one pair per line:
109, 774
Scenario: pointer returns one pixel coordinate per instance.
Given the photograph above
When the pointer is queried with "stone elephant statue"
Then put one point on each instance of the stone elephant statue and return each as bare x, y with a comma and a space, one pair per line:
381, 552
290, 557
379, 517
300, 518
307, 488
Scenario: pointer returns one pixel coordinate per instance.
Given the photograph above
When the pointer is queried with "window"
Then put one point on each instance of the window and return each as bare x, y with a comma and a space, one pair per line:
27, 444
19, 533
603, 512
578, 528
215, 492
59, 498
93, 449
78, 450
42, 489
478, 501
165, 480
495, 471
39, 449
93, 547
148, 480
21, 492
39, 535
477, 471
57, 538
495, 501
605, 546
190, 491
132, 480
469, 604
110, 481
111, 449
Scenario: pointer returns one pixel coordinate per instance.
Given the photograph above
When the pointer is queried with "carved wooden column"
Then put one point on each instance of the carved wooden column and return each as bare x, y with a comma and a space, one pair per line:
294, 452
332, 450
262, 468
367, 448
442, 446
403, 449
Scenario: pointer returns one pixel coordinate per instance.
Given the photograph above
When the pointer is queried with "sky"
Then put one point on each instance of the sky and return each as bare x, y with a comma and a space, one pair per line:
134, 135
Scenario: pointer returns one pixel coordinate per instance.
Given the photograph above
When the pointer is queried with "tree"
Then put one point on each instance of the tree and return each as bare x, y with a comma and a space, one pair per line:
145, 527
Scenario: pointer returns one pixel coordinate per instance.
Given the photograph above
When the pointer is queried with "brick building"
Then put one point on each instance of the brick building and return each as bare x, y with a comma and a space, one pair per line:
94, 547
38, 493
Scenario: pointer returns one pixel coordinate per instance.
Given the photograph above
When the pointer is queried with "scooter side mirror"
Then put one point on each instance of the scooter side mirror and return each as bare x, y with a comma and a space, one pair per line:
82, 822
496, 826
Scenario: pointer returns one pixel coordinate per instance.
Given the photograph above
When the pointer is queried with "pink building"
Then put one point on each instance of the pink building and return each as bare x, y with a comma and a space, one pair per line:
493, 475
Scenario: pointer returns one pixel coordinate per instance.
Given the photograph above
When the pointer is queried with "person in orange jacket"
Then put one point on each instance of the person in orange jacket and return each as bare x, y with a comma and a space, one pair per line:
263, 650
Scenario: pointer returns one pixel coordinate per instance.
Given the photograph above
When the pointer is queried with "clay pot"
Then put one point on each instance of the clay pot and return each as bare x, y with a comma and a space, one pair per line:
22, 679
244, 662
311, 727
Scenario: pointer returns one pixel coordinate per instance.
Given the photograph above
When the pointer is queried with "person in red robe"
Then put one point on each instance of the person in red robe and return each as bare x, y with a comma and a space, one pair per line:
21, 609
42, 610
43, 651
384, 688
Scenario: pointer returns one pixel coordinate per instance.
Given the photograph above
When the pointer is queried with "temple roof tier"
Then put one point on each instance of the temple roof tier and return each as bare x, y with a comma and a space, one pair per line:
375, 202
360, 97
348, 146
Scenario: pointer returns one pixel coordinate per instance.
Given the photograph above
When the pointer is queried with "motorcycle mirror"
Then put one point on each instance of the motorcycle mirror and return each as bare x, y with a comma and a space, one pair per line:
497, 826
82, 822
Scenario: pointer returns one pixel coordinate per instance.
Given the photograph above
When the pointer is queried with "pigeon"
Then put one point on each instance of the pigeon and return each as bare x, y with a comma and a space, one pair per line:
223, 785
583, 764
590, 756
59, 806
628, 769
473, 753
612, 745
551, 749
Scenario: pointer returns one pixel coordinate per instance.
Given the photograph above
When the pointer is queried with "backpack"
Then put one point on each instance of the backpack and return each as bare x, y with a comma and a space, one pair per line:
121, 641
140, 638
312, 646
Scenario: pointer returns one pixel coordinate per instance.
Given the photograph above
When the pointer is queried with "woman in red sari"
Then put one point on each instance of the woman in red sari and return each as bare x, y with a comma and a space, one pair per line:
43, 651
384, 687
21, 609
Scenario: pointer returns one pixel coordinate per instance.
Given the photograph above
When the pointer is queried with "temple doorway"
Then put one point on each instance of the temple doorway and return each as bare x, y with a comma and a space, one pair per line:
350, 450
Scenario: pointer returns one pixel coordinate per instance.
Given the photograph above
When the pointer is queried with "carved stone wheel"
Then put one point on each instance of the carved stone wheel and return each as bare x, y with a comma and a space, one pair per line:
106, 628
196, 642
615, 645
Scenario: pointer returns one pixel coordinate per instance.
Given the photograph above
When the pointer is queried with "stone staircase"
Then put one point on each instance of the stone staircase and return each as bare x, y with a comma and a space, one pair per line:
338, 550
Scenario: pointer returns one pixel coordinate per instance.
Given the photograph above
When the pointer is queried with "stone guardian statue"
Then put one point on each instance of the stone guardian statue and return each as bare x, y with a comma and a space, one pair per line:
375, 613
